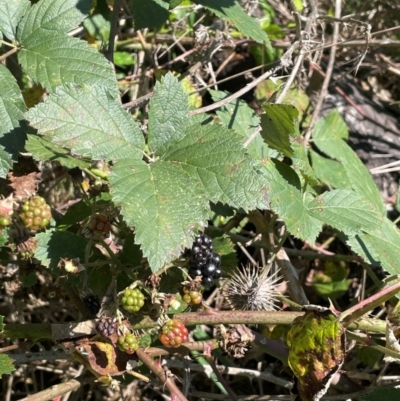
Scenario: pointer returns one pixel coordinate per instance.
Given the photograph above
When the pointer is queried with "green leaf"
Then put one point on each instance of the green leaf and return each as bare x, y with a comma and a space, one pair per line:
346, 211
2, 325
89, 122
53, 59
3, 238
29, 280
43, 150
76, 213
300, 160
11, 13
329, 171
234, 13
52, 15
168, 116
278, 124
6, 365
237, 115
328, 137
214, 157
381, 245
287, 201
382, 393
54, 245
123, 58
98, 27
226, 249
5, 163
149, 13
164, 205
12, 129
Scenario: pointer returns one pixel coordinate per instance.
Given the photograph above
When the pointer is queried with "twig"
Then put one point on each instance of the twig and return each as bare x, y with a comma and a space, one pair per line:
227, 370
291, 275
328, 74
161, 374
55, 391
109, 54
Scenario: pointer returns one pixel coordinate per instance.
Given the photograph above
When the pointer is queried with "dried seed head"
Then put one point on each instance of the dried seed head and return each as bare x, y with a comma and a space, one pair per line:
252, 289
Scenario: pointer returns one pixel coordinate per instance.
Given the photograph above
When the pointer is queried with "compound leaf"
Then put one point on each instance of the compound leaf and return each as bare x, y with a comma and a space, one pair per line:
380, 246
89, 122
168, 116
234, 13
346, 211
237, 115
12, 130
54, 245
53, 59
42, 149
149, 13
11, 13
287, 201
164, 205
279, 124
328, 136
214, 157
52, 15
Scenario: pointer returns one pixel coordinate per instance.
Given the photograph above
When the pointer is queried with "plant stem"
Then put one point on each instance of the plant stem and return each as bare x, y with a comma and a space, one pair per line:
161, 374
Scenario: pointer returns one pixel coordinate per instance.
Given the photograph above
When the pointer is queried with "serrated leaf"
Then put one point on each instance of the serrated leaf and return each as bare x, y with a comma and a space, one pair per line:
54, 245
98, 27
287, 201
300, 160
234, 13
168, 116
381, 245
5, 163
52, 15
346, 211
164, 205
12, 128
53, 59
278, 124
76, 213
42, 149
149, 13
11, 13
329, 171
6, 365
237, 115
328, 137
214, 157
89, 122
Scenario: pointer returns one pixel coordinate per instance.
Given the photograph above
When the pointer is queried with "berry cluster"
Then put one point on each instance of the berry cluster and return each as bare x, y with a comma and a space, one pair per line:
106, 326
132, 299
192, 297
35, 213
173, 333
203, 261
99, 223
128, 343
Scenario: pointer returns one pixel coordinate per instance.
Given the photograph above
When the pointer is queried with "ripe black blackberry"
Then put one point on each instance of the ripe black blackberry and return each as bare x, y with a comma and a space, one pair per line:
203, 261
106, 326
